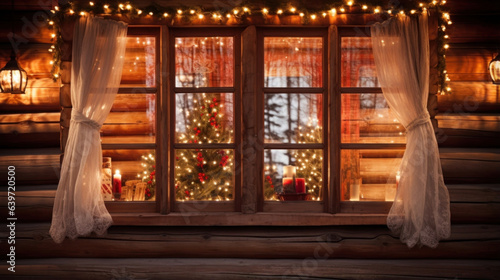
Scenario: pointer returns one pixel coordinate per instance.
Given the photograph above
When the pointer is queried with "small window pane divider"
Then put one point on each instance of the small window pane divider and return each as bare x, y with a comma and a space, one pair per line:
204, 90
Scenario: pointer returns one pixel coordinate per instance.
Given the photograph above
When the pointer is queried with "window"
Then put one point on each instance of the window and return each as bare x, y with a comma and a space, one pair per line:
326, 141
205, 108
129, 133
372, 140
293, 90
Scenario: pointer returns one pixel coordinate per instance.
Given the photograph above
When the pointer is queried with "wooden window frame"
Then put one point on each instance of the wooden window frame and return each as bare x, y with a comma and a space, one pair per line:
331, 210
292, 206
142, 206
206, 206
368, 207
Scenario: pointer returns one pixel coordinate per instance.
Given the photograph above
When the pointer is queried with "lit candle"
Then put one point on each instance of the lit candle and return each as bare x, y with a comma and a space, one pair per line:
355, 189
288, 171
288, 179
117, 185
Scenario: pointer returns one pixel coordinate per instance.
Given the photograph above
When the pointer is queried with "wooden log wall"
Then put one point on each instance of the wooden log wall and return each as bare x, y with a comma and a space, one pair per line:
469, 141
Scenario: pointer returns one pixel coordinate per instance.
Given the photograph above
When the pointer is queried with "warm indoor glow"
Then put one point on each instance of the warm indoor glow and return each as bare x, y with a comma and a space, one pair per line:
495, 70
13, 78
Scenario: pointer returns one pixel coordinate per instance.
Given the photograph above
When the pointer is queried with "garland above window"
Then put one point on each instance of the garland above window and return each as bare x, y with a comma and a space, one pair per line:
243, 13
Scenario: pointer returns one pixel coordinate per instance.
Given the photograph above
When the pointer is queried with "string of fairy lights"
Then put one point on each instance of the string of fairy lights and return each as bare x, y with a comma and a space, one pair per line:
243, 14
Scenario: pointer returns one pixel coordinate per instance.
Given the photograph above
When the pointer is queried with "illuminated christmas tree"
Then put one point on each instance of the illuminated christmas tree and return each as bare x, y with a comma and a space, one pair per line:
204, 174
309, 162
149, 175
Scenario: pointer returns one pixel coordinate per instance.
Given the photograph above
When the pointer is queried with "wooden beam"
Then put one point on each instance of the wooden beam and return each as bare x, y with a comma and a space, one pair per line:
466, 242
242, 269
249, 92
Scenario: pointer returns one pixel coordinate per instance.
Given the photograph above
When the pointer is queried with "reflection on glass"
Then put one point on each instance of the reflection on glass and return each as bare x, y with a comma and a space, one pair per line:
132, 119
204, 62
203, 118
293, 62
358, 65
204, 174
128, 175
293, 118
369, 175
140, 62
366, 118
309, 166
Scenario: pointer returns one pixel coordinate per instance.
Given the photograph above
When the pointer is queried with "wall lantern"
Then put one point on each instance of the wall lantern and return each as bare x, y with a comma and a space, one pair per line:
495, 70
13, 78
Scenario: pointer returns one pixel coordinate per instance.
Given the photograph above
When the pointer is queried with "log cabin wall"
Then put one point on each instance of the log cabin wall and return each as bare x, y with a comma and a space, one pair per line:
468, 135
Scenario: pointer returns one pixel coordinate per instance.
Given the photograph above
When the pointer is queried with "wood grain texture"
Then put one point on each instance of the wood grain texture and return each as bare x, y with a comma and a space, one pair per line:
249, 87
376, 242
243, 269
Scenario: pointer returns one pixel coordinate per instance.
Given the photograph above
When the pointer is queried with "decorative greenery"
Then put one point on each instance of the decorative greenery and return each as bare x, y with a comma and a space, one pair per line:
310, 162
204, 174
240, 14
149, 175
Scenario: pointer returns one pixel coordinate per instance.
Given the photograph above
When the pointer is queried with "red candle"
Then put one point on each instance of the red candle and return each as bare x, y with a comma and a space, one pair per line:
300, 185
287, 184
117, 184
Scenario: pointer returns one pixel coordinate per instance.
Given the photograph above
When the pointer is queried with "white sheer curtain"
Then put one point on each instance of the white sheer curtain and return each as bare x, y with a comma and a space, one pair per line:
421, 211
98, 55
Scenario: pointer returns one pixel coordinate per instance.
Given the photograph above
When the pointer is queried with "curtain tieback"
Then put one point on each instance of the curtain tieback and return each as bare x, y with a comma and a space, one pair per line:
80, 118
420, 120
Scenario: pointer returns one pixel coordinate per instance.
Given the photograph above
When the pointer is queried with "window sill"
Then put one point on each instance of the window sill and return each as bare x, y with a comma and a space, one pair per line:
240, 219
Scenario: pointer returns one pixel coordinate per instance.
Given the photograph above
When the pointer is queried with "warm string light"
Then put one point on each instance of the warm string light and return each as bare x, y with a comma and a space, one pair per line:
196, 15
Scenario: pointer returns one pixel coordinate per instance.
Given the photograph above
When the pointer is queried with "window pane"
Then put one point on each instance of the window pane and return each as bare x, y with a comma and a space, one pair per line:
293, 118
204, 118
369, 175
358, 66
140, 62
137, 179
309, 170
293, 62
132, 119
204, 62
204, 174
366, 118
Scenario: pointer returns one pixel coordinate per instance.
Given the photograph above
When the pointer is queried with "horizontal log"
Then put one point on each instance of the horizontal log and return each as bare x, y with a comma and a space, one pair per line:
44, 195
125, 102
34, 58
466, 242
474, 28
482, 122
470, 98
472, 7
240, 269
463, 166
450, 137
474, 193
29, 118
29, 26
40, 210
27, 5
35, 100
33, 166
124, 140
468, 64
35, 130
